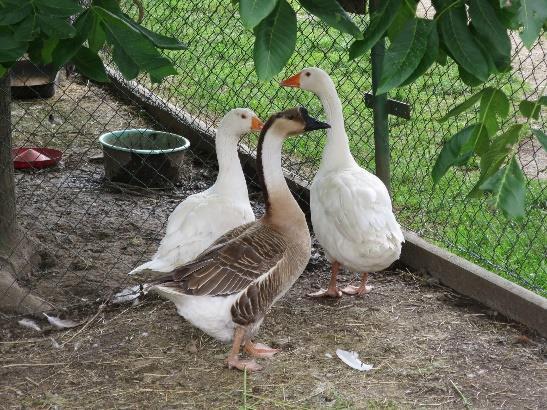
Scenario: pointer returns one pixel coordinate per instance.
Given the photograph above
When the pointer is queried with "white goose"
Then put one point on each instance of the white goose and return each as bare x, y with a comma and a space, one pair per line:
351, 210
203, 217
228, 289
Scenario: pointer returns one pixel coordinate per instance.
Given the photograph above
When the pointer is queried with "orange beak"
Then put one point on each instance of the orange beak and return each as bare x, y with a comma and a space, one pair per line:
293, 81
256, 124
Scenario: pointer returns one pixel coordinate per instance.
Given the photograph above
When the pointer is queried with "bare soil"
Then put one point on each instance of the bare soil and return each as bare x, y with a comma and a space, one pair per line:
429, 346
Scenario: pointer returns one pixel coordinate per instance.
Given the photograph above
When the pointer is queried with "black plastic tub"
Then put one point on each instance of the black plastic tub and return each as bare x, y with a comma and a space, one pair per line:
143, 157
29, 81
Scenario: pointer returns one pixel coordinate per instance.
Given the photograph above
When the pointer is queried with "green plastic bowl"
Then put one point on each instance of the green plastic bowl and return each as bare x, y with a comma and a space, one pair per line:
143, 157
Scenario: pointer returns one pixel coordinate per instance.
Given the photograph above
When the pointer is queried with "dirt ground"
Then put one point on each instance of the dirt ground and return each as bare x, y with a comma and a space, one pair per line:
429, 346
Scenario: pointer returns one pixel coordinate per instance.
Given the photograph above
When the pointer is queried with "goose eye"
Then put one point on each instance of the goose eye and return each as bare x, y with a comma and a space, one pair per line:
308, 74
243, 116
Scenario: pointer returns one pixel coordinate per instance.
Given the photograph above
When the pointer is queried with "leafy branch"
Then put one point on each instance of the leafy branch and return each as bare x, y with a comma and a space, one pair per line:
473, 33
41, 30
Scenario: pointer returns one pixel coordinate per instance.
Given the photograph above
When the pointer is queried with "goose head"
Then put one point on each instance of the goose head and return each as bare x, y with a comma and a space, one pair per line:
292, 122
240, 121
312, 79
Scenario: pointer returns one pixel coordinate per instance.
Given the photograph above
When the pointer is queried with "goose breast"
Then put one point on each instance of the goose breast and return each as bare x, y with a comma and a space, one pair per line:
353, 219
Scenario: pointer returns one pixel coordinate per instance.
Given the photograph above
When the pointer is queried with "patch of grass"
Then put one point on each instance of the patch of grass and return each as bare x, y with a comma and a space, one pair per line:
216, 74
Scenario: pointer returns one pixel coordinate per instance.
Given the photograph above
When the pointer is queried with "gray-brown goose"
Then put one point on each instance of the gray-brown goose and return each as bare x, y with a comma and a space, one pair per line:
228, 289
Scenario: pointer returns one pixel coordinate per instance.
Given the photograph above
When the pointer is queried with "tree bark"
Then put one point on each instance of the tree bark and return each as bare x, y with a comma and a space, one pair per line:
18, 252
8, 222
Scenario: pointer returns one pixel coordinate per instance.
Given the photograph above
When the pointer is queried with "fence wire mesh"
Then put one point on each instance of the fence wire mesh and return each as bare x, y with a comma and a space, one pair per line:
220, 75
93, 232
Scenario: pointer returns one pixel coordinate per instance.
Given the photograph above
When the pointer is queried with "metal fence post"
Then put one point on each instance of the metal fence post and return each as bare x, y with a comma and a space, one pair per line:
380, 113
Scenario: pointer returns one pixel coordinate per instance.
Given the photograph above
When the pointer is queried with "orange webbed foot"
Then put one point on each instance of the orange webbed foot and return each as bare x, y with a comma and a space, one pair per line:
235, 362
260, 350
326, 293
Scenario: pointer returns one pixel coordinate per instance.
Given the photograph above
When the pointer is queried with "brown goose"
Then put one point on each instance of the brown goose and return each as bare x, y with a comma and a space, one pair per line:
228, 289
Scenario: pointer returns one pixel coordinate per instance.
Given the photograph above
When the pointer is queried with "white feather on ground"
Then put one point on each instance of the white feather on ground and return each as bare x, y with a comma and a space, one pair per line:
61, 323
126, 295
31, 324
352, 360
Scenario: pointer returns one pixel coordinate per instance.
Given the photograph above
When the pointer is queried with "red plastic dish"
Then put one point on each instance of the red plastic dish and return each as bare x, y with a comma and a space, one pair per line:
34, 157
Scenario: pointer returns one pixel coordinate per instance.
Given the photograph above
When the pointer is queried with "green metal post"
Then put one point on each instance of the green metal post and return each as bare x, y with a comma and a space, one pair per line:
380, 113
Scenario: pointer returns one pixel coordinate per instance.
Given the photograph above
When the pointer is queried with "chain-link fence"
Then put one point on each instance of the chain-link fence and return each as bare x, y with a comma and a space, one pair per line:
93, 233
216, 73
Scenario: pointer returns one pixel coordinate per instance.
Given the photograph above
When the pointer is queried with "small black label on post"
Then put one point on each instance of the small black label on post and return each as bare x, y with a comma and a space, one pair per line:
394, 107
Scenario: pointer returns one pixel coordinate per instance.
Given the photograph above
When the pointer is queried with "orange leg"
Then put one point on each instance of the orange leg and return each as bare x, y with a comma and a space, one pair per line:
234, 361
259, 349
358, 290
332, 291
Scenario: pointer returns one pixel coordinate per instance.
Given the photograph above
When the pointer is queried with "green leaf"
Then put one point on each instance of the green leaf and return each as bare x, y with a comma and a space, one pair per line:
12, 54
404, 54
452, 153
458, 39
24, 30
491, 31
135, 45
10, 49
58, 8
157, 75
532, 15
542, 138
3, 70
468, 78
127, 66
47, 50
406, 12
508, 12
34, 49
441, 57
431, 53
253, 12
493, 104
330, 12
90, 65
67, 48
458, 109
509, 189
159, 40
275, 39
480, 140
56, 27
110, 5
379, 23
497, 154
531, 109
14, 11
96, 36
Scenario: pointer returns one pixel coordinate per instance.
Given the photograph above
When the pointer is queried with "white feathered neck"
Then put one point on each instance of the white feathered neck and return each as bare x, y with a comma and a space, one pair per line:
336, 154
230, 180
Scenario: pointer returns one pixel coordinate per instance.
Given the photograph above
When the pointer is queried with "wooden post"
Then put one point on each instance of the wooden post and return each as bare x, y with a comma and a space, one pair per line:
8, 223
380, 113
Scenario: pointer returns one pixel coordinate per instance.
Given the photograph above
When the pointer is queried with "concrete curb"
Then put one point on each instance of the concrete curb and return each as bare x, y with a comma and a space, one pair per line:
507, 298
499, 294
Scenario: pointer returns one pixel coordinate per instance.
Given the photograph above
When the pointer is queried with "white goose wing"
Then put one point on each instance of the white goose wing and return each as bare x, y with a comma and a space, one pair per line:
353, 218
194, 225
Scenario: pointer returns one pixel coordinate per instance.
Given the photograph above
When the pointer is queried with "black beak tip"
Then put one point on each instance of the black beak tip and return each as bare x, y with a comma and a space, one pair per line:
311, 123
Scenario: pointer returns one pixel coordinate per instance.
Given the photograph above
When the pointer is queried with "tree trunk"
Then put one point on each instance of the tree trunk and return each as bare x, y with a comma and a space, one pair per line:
18, 252
8, 223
